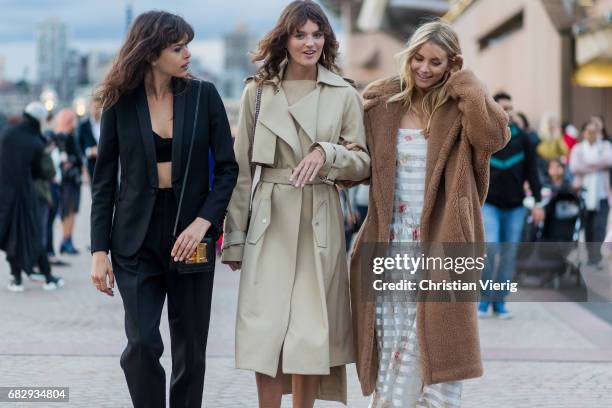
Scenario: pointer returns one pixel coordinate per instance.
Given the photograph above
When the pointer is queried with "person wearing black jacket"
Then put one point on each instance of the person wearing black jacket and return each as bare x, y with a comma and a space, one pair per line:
503, 211
71, 170
88, 134
150, 104
21, 153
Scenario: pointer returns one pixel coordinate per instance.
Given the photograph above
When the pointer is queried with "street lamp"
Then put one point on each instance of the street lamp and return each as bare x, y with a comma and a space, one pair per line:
48, 97
80, 106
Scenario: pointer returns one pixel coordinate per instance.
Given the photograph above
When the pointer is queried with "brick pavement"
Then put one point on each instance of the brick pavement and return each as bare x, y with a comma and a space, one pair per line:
550, 355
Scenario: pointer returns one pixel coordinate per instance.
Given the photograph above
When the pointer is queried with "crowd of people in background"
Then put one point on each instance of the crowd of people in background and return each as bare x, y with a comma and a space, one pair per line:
43, 159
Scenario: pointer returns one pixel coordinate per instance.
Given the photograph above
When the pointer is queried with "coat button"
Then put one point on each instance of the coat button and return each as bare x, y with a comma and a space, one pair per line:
264, 221
317, 223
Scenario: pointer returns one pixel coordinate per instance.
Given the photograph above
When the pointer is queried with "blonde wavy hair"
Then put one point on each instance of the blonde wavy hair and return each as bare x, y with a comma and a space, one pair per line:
441, 34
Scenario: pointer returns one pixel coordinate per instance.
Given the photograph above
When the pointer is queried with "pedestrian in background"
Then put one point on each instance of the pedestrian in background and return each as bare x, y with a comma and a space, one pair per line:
88, 135
590, 162
21, 162
55, 188
503, 211
551, 146
523, 123
71, 169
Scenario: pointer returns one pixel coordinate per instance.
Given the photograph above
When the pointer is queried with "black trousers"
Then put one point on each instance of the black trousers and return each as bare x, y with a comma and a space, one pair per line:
144, 281
595, 226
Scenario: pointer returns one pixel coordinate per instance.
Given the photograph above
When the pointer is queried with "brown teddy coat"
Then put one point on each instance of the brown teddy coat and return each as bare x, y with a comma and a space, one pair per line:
463, 135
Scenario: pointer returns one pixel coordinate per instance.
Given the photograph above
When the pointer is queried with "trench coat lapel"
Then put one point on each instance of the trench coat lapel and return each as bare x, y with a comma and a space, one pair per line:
178, 138
305, 112
146, 132
274, 114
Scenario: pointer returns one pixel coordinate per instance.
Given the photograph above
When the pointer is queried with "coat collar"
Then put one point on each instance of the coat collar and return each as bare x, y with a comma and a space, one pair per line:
146, 133
324, 76
278, 116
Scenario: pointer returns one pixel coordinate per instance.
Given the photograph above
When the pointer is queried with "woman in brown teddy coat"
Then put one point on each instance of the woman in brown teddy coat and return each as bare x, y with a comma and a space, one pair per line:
431, 131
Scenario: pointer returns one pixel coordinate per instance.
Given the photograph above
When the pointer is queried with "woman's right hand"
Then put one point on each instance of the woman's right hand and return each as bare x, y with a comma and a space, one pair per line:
234, 265
102, 275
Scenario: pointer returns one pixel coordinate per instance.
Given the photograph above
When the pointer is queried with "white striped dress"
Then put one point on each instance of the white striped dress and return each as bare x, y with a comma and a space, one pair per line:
399, 379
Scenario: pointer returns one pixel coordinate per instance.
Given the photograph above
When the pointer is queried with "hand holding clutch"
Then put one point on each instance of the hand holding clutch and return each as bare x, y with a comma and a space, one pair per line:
187, 242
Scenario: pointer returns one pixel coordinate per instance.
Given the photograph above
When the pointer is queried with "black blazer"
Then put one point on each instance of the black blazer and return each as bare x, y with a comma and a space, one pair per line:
126, 139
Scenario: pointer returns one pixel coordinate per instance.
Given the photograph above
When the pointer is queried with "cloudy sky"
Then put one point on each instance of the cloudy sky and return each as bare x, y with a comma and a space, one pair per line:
100, 24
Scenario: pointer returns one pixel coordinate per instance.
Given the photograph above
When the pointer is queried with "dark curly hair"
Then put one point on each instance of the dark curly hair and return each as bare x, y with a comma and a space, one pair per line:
272, 49
150, 34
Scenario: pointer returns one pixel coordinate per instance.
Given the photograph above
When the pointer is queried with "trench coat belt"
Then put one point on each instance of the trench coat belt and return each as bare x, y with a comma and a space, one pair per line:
281, 176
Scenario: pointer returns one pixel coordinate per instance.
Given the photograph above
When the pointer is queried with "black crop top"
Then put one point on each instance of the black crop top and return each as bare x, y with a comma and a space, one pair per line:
163, 148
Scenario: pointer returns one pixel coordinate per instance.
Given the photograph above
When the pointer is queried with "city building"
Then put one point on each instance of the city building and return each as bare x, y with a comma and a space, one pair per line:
14, 97
237, 63
98, 65
52, 50
2, 67
129, 15
376, 30
59, 67
550, 55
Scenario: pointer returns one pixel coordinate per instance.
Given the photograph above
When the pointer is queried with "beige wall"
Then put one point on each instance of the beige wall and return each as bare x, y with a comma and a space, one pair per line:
527, 64
361, 47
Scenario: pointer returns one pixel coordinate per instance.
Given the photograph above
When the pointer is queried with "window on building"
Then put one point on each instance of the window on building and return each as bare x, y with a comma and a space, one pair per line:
502, 31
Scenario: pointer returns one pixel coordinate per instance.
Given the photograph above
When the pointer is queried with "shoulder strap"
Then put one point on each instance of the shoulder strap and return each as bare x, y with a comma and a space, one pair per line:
193, 132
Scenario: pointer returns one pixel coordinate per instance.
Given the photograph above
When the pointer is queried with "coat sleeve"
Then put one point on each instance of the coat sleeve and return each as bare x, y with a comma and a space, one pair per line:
226, 169
343, 165
484, 121
235, 229
104, 183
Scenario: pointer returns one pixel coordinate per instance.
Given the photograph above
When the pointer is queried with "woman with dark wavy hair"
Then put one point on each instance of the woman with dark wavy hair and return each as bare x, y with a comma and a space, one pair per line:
159, 124
294, 319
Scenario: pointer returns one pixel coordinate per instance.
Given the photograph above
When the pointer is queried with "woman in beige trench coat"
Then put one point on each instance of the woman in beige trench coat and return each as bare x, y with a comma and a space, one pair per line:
293, 308
431, 131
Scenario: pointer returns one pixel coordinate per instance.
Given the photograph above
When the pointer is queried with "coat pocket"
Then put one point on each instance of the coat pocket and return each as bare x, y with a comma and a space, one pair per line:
466, 219
319, 224
259, 221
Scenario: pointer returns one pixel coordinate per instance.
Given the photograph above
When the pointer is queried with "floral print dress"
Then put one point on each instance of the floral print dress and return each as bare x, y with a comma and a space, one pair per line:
399, 379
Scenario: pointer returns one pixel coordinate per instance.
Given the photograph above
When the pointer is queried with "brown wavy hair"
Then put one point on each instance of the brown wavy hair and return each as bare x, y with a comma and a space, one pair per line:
272, 49
149, 35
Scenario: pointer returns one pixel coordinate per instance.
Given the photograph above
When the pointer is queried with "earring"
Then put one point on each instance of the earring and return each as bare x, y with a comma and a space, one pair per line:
286, 54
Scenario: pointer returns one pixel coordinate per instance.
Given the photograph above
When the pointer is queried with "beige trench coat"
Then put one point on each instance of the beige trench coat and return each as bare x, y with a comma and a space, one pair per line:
294, 291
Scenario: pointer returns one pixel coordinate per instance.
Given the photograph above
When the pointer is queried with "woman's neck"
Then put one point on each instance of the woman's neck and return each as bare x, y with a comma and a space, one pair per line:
299, 72
157, 84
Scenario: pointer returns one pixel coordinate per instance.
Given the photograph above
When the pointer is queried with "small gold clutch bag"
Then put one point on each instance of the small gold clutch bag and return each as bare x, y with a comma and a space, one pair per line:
200, 255
202, 259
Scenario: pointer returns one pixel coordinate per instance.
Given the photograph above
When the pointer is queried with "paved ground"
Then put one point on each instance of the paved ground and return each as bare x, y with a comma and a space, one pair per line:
550, 355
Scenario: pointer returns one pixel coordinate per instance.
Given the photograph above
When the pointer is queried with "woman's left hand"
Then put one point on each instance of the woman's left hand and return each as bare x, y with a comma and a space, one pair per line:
308, 168
189, 239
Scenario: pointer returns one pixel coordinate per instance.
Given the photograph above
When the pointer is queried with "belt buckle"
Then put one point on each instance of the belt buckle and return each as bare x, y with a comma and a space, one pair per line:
327, 181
